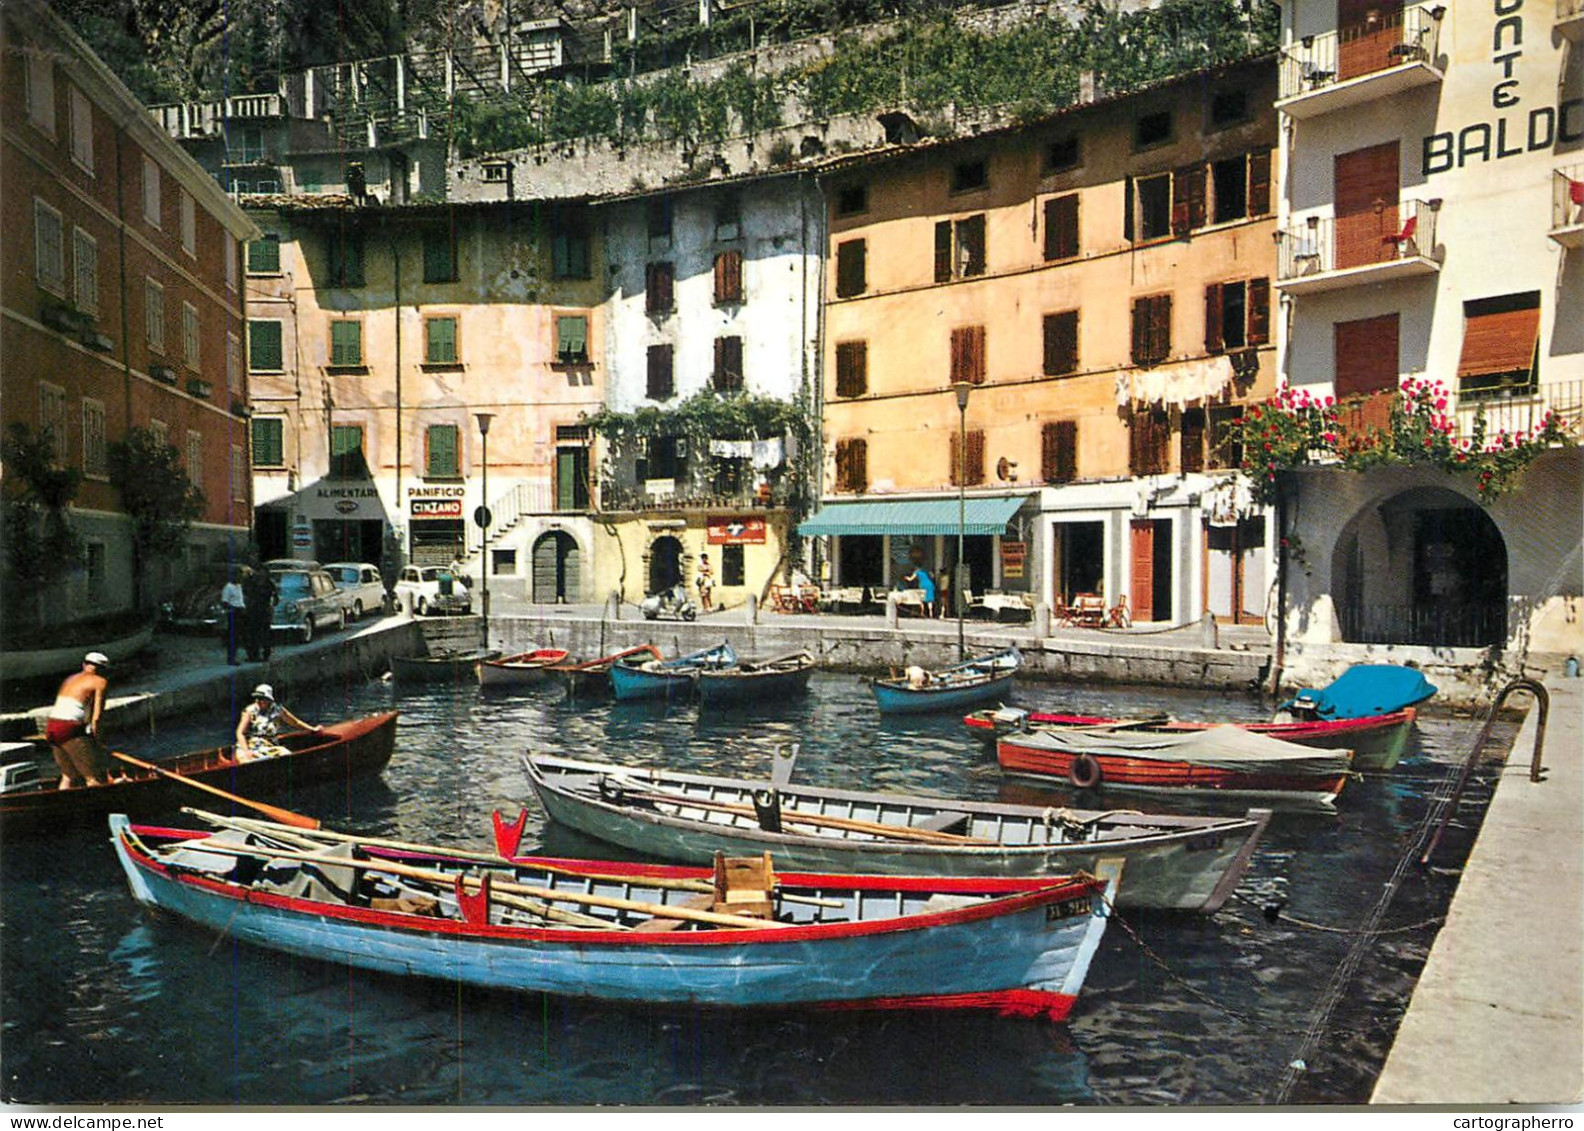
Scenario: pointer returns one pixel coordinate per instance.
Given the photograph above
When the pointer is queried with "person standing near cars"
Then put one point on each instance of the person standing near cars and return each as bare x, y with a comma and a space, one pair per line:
258, 592
72, 727
233, 604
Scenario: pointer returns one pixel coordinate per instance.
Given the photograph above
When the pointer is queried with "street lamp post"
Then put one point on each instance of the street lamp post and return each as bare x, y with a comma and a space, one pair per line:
962, 389
482, 516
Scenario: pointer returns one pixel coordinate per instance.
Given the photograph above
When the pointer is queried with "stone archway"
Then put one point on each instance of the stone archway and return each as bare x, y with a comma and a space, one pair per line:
1425, 566
665, 563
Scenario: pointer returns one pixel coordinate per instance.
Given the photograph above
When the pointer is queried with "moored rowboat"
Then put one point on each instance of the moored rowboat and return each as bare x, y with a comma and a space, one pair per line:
354, 746
522, 670
756, 680
591, 678
1187, 863
1224, 759
438, 666
630, 933
635, 678
1377, 741
946, 689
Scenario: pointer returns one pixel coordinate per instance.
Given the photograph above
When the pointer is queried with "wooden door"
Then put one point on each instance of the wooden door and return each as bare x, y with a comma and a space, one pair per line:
1367, 30
1142, 548
1366, 193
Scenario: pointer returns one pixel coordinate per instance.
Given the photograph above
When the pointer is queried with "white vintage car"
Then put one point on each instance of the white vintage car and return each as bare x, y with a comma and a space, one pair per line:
361, 584
429, 590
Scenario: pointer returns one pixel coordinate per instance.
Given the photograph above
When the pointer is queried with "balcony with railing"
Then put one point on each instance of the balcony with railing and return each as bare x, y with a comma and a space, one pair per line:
186, 121
1518, 409
1327, 253
1567, 204
1570, 19
1331, 71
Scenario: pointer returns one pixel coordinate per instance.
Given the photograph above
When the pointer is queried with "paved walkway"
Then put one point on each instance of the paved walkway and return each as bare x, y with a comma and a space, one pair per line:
1497, 1016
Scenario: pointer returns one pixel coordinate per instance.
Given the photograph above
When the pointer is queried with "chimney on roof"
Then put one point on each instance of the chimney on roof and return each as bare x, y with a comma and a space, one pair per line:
1087, 87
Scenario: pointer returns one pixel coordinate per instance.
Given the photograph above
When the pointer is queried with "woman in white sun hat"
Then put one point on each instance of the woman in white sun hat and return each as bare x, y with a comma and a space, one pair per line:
261, 723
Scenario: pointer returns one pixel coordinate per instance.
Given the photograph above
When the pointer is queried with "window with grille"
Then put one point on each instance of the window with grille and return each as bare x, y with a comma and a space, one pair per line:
269, 441
192, 337
967, 471
440, 341
851, 272
346, 452
572, 339
959, 248
82, 126
1061, 343
154, 317
442, 452
660, 288
346, 258
661, 385
728, 277
1151, 329
1061, 227
1059, 451
968, 355
852, 465
49, 248
263, 255
346, 342
95, 464
1149, 441
852, 369
439, 256
85, 276
151, 191
728, 364
264, 345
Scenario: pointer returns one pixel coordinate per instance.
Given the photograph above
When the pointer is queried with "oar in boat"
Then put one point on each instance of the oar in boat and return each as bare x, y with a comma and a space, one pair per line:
274, 812
701, 886
586, 899
795, 816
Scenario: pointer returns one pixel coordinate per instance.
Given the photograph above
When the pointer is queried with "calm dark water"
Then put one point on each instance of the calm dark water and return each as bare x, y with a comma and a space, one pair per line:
102, 1002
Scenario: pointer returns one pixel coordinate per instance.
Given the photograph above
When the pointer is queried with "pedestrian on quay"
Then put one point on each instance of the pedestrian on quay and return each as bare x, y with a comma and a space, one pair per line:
233, 604
72, 727
705, 582
258, 593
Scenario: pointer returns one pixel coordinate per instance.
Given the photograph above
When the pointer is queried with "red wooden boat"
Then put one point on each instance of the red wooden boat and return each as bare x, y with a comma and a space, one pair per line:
522, 670
355, 746
1377, 741
1224, 759
591, 678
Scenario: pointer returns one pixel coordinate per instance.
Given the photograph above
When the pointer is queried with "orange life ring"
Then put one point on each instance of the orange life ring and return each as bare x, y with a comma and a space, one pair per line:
1084, 772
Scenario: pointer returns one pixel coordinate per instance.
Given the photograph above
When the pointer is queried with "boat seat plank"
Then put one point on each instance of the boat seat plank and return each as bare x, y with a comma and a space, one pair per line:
658, 925
958, 823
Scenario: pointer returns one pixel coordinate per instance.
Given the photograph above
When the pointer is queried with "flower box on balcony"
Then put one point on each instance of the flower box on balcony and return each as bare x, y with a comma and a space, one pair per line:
164, 374
199, 387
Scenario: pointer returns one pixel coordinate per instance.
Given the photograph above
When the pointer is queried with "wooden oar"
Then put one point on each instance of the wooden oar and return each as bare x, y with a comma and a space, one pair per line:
703, 887
796, 816
448, 879
274, 812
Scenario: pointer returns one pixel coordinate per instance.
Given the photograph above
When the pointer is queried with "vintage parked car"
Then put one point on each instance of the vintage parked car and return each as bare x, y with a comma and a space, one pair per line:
307, 600
428, 590
275, 565
196, 608
362, 584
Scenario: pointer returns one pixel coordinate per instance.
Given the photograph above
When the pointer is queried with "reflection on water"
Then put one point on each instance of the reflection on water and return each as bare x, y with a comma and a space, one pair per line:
105, 1002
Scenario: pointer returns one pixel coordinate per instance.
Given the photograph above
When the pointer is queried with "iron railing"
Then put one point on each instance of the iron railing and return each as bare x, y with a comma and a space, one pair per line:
1521, 408
1412, 35
1567, 193
1329, 243
1439, 624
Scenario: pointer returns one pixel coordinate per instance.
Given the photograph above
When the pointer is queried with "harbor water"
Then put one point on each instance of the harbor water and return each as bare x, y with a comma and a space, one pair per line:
103, 1002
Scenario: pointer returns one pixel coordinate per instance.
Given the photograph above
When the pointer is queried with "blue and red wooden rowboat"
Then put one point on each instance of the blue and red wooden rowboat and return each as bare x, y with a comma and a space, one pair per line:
637, 678
629, 933
948, 689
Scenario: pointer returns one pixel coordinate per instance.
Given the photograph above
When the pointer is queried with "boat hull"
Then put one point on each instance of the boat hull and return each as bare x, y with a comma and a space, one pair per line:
438, 669
719, 689
666, 679
350, 748
1026, 952
1169, 862
1377, 741
518, 671
896, 698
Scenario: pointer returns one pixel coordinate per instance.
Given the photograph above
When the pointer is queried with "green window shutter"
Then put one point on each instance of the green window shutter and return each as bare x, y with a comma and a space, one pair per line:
268, 444
346, 342
440, 341
345, 438
571, 339
264, 344
263, 255
442, 448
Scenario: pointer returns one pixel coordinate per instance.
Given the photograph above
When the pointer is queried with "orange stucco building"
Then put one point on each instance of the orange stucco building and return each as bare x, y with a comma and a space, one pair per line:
1099, 281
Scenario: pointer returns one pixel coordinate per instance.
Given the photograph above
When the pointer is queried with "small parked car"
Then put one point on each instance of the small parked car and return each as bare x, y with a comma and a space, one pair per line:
362, 584
196, 608
307, 600
428, 590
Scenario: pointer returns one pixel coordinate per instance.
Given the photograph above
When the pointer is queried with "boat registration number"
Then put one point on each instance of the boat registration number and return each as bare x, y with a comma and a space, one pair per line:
1069, 909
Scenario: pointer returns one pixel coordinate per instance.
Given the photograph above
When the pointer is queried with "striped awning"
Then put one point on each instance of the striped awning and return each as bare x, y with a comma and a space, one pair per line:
981, 514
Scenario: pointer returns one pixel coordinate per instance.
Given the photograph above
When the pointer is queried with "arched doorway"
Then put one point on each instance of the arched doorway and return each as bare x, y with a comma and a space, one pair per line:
557, 569
665, 563
1427, 567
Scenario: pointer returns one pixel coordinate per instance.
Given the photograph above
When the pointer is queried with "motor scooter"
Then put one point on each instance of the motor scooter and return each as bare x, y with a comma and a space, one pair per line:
671, 604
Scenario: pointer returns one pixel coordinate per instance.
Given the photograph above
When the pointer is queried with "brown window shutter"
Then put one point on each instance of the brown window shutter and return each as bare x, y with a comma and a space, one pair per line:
959, 367
976, 457
728, 277
852, 363
1259, 182
1366, 355
971, 245
978, 367
660, 385
1162, 327
1499, 342
1215, 340
852, 470
1258, 312
1129, 211
1188, 198
943, 251
851, 272
1061, 227
1140, 324
1059, 451
1061, 343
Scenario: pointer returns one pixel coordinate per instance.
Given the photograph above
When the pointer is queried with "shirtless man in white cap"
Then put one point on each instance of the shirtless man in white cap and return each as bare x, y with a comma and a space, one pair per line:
72, 727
